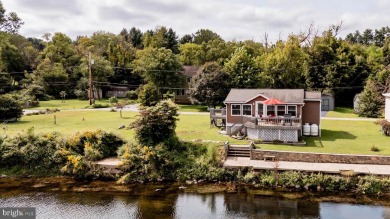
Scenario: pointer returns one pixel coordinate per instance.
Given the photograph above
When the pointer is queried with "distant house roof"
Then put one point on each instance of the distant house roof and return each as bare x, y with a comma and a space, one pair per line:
190, 71
386, 94
312, 95
285, 95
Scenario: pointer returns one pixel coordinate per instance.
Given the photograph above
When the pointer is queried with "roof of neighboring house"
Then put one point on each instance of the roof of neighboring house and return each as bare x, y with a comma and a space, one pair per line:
190, 71
386, 94
285, 95
313, 95
118, 88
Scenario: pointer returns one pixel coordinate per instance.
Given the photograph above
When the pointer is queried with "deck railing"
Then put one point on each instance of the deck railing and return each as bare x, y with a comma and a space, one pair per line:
275, 122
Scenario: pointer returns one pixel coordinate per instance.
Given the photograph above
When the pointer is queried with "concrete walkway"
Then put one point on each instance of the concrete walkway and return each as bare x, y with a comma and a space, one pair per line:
234, 162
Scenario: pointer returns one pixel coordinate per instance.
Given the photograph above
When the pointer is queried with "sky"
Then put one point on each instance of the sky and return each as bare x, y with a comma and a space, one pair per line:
231, 19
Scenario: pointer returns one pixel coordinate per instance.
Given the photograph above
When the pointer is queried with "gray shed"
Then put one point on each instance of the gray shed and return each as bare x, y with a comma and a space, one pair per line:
356, 100
327, 102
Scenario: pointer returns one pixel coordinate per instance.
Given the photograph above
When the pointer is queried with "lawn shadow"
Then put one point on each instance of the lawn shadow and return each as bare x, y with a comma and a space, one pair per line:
344, 110
17, 122
332, 135
328, 135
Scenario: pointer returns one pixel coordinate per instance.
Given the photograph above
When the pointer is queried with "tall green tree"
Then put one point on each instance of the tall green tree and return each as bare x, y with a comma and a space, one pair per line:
210, 85
242, 70
204, 36
284, 66
160, 67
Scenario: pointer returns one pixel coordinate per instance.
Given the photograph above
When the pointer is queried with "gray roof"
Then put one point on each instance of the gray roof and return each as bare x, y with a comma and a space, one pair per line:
314, 95
285, 95
190, 70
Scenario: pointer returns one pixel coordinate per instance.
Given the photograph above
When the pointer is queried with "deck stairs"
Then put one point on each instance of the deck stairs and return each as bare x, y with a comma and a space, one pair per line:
239, 151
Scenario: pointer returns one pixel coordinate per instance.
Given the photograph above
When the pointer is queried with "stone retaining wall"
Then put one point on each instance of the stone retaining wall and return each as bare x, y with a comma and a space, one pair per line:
258, 154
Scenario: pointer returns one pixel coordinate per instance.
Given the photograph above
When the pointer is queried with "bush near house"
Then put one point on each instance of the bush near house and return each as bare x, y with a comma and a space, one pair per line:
9, 108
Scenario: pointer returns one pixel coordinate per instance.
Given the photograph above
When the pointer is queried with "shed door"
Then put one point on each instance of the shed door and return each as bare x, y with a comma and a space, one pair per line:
325, 105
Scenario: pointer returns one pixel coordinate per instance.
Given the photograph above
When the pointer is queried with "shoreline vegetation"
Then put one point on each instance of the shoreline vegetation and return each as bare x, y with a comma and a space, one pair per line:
34, 155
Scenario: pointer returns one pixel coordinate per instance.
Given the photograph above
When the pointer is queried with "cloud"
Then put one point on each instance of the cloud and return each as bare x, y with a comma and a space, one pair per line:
232, 19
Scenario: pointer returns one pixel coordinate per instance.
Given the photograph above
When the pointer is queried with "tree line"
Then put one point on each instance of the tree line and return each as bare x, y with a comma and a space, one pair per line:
37, 69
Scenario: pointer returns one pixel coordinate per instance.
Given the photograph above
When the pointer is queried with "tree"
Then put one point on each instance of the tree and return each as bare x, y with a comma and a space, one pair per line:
210, 85
9, 108
160, 67
204, 36
162, 37
370, 101
135, 36
52, 76
241, 70
284, 66
156, 124
10, 22
149, 95
191, 54
188, 38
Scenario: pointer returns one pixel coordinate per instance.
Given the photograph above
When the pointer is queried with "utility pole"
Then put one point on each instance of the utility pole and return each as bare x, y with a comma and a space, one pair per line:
90, 78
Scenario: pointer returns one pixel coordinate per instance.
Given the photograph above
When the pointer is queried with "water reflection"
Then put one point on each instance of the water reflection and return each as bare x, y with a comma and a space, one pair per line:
144, 202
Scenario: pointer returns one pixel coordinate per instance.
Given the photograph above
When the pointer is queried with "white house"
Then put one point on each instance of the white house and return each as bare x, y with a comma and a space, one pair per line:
387, 106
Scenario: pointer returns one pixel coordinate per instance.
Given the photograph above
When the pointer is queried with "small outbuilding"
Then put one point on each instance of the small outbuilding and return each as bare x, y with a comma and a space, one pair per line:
356, 100
387, 106
327, 102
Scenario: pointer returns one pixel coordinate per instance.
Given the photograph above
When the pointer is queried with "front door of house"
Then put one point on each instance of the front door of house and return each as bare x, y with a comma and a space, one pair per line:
259, 109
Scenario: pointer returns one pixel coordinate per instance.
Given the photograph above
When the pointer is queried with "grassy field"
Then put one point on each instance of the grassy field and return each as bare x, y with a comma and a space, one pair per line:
342, 112
83, 104
69, 104
351, 137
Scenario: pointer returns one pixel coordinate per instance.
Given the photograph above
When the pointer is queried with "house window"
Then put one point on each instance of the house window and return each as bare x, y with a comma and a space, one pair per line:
236, 110
281, 110
260, 109
292, 110
247, 110
270, 110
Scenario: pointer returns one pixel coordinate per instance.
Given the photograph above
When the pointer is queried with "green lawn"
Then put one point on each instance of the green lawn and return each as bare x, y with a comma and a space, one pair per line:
69, 104
192, 108
342, 112
353, 137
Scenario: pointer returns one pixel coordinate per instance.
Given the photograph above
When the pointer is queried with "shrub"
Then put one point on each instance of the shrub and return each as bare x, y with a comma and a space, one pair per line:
94, 145
132, 95
31, 150
100, 105
149, 95
385, 126
374, 148
156, 124
113, 100
9, 108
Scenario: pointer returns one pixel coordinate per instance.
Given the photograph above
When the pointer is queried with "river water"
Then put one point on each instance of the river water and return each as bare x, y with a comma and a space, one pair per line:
173, 202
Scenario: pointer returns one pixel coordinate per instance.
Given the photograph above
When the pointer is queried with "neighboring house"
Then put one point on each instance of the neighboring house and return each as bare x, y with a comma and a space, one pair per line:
356, 100
247, 111
387, 106
327, 102
116, 91
181, 94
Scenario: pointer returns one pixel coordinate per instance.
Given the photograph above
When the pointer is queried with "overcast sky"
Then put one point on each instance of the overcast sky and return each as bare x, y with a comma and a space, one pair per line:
232, 19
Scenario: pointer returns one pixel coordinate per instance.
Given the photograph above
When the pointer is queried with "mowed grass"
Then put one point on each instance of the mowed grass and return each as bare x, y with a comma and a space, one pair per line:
68, 104
342, 112
345, 137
